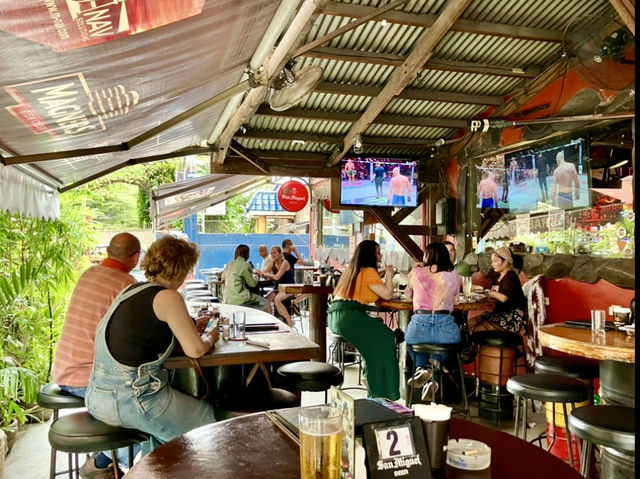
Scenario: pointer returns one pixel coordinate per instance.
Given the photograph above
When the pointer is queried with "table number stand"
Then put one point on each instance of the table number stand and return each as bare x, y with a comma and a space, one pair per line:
396, 449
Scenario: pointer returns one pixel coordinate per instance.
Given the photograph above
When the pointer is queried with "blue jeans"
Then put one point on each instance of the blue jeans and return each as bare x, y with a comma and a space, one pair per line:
140, 397
122, 454
430, 329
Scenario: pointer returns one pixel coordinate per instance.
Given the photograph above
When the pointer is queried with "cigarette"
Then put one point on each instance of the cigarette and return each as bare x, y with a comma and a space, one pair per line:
470, 452
260, 344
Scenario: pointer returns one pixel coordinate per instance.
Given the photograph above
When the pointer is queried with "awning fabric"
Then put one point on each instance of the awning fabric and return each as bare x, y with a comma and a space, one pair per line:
83, 75
19, 193
181, 199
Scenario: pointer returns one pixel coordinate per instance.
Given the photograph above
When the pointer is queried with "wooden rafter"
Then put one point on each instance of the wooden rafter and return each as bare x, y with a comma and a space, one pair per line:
409, 94
277, 167
460, 25
359, 56
627, 11
402, 76
249, 156
397, 232
355, 117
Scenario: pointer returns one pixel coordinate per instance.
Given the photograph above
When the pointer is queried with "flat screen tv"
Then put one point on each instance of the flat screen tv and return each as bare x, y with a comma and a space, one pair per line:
378, 181
550, 176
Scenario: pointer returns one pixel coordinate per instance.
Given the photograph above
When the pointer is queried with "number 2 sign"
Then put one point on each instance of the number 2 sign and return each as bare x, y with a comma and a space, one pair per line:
396, 449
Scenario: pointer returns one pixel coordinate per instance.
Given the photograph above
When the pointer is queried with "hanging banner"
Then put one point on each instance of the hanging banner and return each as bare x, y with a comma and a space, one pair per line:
293, 196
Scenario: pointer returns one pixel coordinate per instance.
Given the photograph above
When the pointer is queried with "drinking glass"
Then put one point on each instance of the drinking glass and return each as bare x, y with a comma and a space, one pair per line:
597, 321
239, 320
320, 442
466, 286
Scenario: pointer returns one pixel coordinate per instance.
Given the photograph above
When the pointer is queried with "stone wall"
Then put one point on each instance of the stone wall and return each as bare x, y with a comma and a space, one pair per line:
584, 268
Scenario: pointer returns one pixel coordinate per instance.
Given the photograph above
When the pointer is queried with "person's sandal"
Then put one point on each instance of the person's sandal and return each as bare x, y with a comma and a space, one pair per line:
429, 391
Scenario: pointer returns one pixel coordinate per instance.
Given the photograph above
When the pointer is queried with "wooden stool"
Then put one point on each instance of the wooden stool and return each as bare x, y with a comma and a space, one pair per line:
82, 433
52, 397
444, 350
612, 427
310, 376
550, 388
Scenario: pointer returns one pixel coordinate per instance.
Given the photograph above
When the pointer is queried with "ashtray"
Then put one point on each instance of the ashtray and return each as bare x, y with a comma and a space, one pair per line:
468, 454
630, 329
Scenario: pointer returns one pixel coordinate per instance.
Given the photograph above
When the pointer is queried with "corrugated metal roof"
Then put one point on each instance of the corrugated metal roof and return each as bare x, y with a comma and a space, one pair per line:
263, 202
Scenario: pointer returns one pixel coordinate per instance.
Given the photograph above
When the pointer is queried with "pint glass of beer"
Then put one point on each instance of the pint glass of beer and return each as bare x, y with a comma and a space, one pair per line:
320, 442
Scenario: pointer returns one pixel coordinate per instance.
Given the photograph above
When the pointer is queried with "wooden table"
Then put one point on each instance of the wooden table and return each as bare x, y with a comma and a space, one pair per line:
615, 350
318, 305
253, 447
285, 345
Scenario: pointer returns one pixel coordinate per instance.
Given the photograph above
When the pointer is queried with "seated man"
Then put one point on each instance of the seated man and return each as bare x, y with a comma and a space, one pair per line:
95, 291
238, 277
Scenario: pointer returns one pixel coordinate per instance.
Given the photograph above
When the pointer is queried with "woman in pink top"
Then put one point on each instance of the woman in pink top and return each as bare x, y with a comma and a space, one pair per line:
434, 288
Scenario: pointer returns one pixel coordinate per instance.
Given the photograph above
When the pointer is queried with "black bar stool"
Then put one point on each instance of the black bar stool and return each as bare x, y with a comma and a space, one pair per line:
338, 351
52, 397
310, 376
444, 350
82, 433
612, 427
549, 388
264, 400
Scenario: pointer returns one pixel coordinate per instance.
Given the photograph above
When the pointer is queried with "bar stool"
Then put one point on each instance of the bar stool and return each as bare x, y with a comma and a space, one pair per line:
310, 376
338, 350
492, 372
51, 396
549, 388
613, 428
440, 349
270, 398
82, 433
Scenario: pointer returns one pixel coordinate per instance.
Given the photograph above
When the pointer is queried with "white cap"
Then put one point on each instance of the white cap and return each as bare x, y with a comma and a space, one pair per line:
432, 412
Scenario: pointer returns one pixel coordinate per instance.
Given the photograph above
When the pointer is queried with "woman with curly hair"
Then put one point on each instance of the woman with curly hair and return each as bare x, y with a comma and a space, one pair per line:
128, 385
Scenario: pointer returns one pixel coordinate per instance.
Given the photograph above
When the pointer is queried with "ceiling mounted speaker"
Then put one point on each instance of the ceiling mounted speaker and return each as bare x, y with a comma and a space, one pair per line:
295, 87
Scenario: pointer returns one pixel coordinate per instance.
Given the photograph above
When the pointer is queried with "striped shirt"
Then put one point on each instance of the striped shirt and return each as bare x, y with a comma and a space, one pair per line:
95, 291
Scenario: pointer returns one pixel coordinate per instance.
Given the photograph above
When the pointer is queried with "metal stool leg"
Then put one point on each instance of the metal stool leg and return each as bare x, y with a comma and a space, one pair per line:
515, 425
566, 423
553, 426
463, 389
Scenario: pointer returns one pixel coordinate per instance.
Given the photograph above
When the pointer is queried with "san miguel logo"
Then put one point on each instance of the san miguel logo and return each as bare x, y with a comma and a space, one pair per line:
65, 106
70, 24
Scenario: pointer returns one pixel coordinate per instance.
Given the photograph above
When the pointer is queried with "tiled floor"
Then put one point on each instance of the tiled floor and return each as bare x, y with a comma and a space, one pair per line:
29, 458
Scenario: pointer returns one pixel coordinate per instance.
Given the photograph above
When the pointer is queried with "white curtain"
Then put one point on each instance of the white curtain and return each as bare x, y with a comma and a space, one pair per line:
19, 193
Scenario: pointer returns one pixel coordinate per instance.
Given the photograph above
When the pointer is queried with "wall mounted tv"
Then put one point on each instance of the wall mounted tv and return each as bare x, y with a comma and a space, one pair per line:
550, 176
378, 181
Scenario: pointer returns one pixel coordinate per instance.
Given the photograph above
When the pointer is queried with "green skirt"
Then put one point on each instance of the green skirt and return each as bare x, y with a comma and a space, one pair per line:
375, 343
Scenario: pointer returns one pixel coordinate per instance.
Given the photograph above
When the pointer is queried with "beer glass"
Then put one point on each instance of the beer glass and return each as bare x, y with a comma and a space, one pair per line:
466, 286
320, 442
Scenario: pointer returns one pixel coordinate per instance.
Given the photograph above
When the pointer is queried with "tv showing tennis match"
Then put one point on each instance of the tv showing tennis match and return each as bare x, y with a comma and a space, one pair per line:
376, 181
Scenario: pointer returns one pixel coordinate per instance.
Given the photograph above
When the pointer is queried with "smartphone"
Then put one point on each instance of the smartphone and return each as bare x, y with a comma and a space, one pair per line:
211, 324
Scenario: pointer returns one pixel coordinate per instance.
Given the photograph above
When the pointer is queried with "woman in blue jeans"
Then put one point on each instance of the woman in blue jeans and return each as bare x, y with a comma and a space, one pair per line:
434, 288
128, 385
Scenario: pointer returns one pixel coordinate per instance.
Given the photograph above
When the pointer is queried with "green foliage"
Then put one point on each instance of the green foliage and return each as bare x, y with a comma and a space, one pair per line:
236, 220
40, 262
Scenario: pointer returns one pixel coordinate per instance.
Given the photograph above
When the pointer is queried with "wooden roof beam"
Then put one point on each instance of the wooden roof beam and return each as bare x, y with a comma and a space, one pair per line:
398, 233
627, 11
409, 94
347, 55
264, 110
238, 166
461, 25
279, 135
249, 156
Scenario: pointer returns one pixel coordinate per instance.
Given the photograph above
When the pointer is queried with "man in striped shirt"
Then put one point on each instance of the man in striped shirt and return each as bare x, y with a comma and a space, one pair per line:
95, 291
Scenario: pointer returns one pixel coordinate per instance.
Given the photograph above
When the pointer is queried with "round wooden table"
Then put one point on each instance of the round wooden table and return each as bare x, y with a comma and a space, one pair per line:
253, 446
615, 350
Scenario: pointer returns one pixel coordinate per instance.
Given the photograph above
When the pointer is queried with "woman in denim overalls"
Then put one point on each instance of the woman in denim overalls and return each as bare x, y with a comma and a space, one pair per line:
139, 396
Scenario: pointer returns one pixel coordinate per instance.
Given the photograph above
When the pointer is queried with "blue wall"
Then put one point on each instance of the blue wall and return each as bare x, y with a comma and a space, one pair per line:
216, 250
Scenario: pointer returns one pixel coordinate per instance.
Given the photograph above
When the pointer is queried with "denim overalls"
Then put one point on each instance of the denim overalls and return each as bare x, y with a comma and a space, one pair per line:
140, 398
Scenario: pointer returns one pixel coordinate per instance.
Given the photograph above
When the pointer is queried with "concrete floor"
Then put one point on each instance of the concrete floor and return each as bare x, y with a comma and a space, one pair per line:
29, 458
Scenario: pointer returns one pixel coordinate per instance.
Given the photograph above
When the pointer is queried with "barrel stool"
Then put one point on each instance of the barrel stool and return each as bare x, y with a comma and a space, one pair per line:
51, 396
445, 349
82, 433
492, 372
548, 388
613, 428
310, 376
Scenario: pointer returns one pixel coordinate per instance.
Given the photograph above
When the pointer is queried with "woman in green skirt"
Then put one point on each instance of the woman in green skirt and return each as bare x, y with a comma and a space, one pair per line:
360, 285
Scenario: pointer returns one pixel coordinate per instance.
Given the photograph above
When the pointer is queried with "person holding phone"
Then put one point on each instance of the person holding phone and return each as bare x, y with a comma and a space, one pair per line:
128, 385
